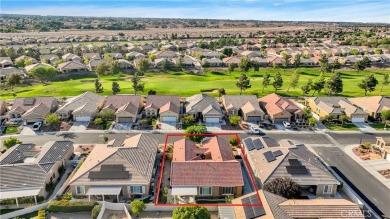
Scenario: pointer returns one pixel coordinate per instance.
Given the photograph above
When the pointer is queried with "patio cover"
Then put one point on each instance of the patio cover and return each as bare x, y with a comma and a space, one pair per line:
104, 190
184, 190
19, 193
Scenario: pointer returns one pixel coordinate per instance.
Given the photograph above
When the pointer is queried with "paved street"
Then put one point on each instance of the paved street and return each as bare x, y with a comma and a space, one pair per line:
368, 187
354, 138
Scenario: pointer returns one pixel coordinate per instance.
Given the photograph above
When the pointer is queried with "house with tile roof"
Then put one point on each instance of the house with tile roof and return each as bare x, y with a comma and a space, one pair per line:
270, 159
5, 72
246, 106
6, 62
206, 171
126, 107
120, 168
280, 108
204, 107
32, 109
372, 105
25, 169
82, 108
71, 66
166, 107
335, 107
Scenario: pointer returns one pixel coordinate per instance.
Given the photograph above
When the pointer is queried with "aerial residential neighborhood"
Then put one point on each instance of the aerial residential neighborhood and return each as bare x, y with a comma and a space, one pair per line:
194, 110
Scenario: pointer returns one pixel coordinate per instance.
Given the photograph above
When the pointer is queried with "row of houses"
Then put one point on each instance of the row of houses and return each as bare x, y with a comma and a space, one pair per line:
130, 108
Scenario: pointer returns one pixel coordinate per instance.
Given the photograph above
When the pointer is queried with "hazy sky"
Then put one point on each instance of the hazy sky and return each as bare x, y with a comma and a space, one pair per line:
287, 10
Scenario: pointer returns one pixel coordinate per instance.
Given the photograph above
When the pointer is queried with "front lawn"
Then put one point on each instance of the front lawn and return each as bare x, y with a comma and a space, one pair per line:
379, 126
11, 130
345, 127
185, 84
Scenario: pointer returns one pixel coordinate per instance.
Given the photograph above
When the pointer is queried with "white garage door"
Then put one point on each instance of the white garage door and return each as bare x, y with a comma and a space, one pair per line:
169, 118
357, 119
212, 119
83, 118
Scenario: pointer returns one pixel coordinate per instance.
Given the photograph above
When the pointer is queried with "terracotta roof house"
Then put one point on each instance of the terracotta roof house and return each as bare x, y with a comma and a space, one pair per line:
204, 107
50, 57
71, 57
25, 169
71, 66
207, 171
135, 55
280, 109
91, 66
6, 62
372, 105
119, 168
269, 160
233, 59
126, 107
213, 62
32, 109
274, 206
260, 61
28, 68
5, 72
115, 55
125, 64
246, 106
166, 54
24, 57
164, 106
83, 108
251, 54
91, 56
335, 106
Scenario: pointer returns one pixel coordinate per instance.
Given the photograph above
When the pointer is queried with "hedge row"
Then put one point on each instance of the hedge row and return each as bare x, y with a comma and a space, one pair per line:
70, 206
22, 200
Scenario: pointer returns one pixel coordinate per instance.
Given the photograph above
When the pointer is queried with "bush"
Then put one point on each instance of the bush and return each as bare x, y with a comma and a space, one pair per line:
137, 207
234, 120
98, 121
42, 213
95, 211
22, 200
233, 141
195, 212
366, 145
10, 142
70, 206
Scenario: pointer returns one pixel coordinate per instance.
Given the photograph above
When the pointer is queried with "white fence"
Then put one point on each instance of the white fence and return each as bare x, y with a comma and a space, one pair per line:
23, 211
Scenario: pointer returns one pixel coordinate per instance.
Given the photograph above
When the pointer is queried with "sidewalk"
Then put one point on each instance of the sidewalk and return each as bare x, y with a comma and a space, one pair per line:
372, 166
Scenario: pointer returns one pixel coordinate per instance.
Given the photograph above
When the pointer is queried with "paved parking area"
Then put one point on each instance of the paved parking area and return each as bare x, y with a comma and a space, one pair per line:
122, 126
79, 126
364, 127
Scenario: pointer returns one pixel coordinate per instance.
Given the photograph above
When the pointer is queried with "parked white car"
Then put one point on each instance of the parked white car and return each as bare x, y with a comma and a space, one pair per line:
37, 126
286, 124
255, 129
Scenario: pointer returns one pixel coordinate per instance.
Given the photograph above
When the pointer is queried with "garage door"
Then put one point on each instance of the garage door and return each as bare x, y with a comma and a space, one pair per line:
212, 119
125, 119
280, 120
358, 119
169, 119
253, 118
29, 121
83, 118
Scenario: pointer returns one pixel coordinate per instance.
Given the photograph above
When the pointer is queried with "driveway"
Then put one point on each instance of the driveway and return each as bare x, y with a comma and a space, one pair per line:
78, 215
213, 126
168, 125
27, 130
364, 127
122, 127
79, 126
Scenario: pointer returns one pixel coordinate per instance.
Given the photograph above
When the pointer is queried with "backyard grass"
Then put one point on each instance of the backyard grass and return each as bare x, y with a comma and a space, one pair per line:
345, 127
183, 84
379, 126
10, 130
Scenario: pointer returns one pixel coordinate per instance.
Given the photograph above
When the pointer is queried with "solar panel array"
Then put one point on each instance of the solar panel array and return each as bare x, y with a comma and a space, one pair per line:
269, 156
252, 211
294, 162
296, 170
278, 153
249, 144
270, 142
257, 143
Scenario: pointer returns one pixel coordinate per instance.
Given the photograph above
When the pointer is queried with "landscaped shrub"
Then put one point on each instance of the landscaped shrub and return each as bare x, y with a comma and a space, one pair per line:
96, 211
42, 213
70, 206
233, 141
22, 200
366, 145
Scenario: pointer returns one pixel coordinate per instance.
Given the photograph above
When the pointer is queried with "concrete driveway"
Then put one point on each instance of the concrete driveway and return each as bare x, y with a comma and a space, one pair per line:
27, 130
122, 127
168, 125
364, 127
79, 126
213, 126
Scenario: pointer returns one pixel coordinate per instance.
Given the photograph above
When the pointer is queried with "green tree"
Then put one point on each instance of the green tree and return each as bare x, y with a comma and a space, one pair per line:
284, 187
143, 65
285, 60
44, 74
98, 86
368, 83
227, 52
137, 86
359, 65
27, 62
385, 115
312, 121
52, 118
307, 114
98, 121
102, 69
195, 129
324, 63
378, 51
13, 80
166, 65
385, 81
318, 84
19, 63
266, 80
278, 81
244, 64
243, 83
307, 87
343, 119
233, 141
336, 65
10, 142
107, 115
114, 67
334, 84
256, 66
234, 120
137, 207
115, 88
294, 80
153, 57
188, 119
297, 61
191, 212
221, 92
231, 68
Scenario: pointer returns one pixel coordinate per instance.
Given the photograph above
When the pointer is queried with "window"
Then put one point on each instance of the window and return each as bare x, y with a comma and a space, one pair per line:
136, 189
227, 190
205, 191
328, 189
80, 190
